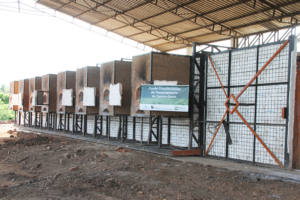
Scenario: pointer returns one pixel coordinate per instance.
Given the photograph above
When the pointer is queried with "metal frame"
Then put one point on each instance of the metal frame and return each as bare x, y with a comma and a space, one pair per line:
265, 37
186, 12
50, 121
79, 124
63, 121
98, 126
196, 55
197, 97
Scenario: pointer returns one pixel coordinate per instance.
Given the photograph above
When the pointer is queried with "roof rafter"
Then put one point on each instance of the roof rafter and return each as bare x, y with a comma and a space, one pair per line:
168, 37
232, 19
245, 25
130, 9
172, 24
163, 12
93, 8
194, 18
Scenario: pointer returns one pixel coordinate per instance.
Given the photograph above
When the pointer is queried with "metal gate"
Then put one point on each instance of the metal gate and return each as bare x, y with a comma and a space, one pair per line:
246, 95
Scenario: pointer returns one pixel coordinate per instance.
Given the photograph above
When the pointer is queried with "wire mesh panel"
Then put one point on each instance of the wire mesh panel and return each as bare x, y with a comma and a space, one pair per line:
130, 128
141, 129
114, 127
259, 106
180, 132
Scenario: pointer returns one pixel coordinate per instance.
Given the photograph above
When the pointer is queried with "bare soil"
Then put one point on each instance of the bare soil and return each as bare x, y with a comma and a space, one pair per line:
36, 166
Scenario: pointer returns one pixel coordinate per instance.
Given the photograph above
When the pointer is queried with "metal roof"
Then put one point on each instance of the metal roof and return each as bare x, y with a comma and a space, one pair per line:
173, 24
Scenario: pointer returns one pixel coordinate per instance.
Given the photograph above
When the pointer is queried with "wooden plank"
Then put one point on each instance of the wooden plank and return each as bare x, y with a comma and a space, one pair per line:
191, 152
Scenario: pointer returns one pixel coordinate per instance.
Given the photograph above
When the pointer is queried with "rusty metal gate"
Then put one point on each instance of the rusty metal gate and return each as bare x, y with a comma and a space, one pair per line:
246, 95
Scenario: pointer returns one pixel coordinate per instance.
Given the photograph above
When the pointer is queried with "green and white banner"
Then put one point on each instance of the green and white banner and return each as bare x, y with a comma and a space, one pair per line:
165, 98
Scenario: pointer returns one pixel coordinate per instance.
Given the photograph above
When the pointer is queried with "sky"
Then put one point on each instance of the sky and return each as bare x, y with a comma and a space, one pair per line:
34, 45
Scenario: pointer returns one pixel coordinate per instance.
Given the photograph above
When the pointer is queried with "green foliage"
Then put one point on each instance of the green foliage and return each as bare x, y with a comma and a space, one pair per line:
5, 113
4, 98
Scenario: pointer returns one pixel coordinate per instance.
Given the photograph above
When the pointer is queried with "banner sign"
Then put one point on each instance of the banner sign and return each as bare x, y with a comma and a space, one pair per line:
165, 98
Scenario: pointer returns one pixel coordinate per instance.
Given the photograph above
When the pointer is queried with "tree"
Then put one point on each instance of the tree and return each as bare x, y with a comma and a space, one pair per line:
4, 98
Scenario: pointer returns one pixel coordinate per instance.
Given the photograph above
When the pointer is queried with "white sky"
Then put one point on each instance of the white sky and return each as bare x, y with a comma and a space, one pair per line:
36, 45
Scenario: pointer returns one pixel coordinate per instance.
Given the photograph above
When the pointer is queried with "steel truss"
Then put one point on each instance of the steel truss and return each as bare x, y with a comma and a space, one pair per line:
265, 38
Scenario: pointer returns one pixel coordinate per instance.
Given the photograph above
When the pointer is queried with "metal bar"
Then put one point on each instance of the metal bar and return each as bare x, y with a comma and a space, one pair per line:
160, 126
255, 104
133, 124
95, 125
215, 134
259, 139
262, 69
157, 14
224, 30
228, 138
252, 85
291, 49
201, 100
213, 66
192, 19
169, 130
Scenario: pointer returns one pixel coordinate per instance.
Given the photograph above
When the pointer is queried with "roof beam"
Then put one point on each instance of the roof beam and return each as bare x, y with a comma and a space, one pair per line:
65, 4
92, 8
134, 7
171, 37
194, 18
209, 19
241, 26
161, 13
231, 19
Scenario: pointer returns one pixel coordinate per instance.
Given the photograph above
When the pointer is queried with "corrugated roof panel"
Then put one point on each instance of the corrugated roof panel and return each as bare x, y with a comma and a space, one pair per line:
291, 8
186, 25
230, 13
125, 19
105, 11
246, 20
210, 38
54, 4
185, 13
145, 11
92, 17
204, 6
252, 29
73, 9
110, 24
170, 46
164, 19
128, 30
156, 42
195, 33
143, 37
142, 26
124, 5
158, 23
166, 4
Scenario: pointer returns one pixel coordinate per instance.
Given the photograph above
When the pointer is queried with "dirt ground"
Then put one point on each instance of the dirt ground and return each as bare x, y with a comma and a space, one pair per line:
36, 166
